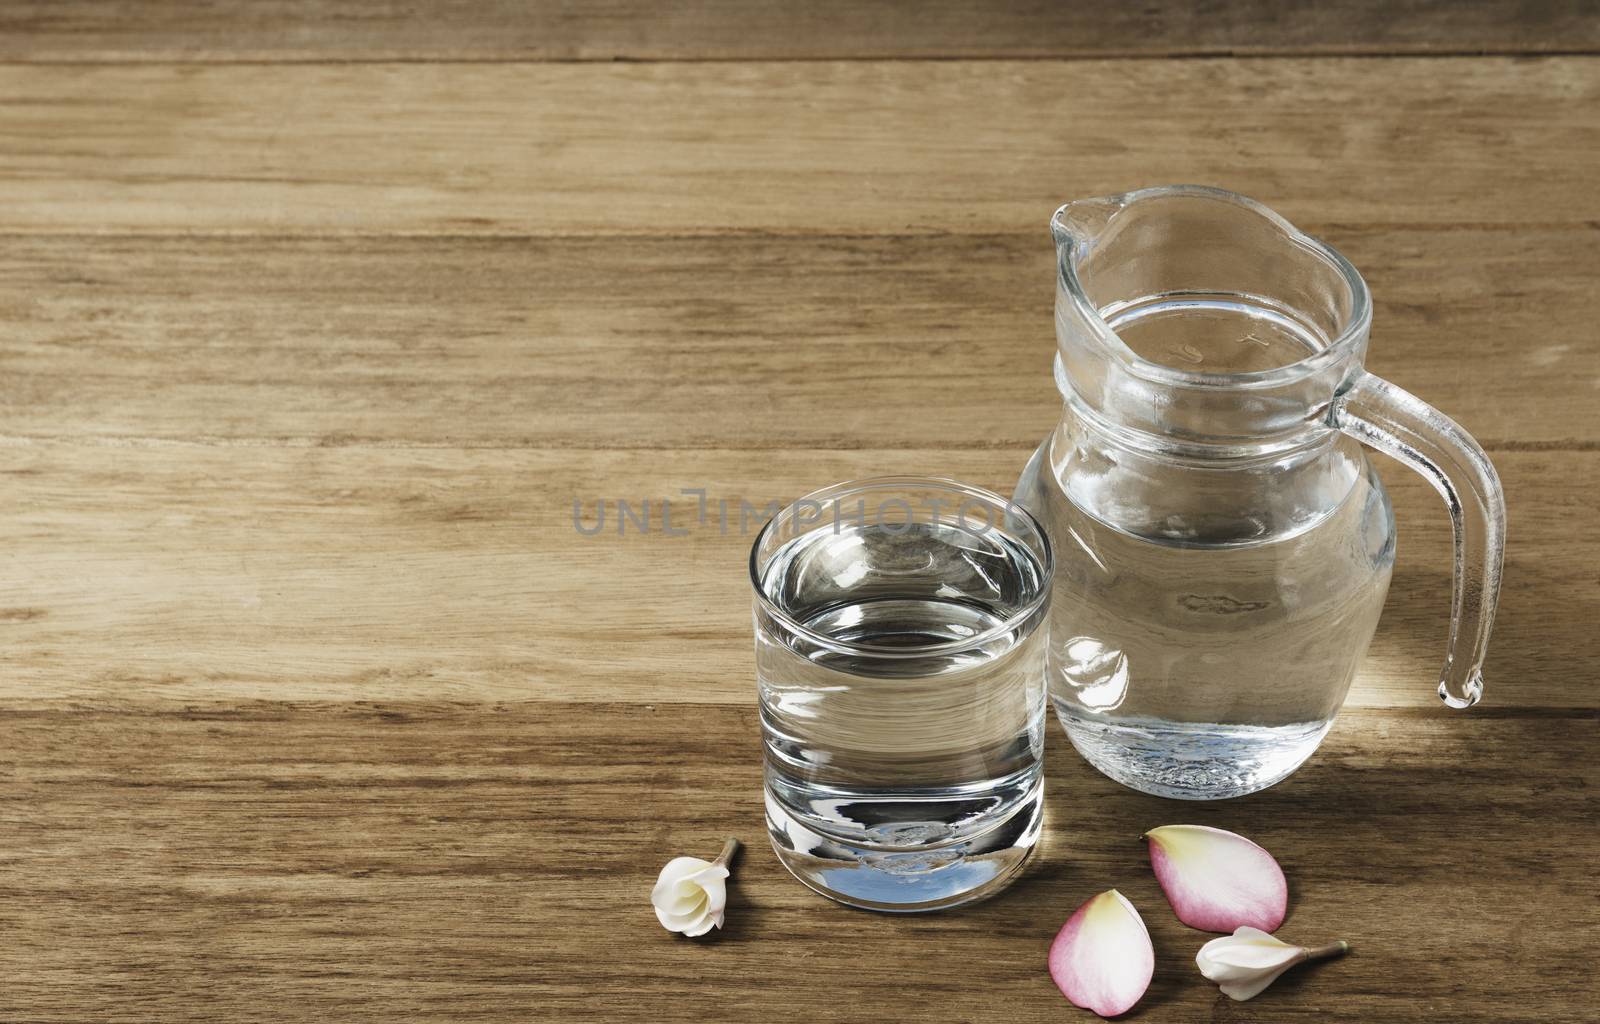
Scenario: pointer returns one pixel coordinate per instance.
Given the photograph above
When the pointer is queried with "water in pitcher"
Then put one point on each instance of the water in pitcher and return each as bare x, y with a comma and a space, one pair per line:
1202, 657
1213, 332
1207, 624
905, 754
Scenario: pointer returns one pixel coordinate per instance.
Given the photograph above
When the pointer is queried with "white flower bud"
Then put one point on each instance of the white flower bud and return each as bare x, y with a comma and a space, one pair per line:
1249, 960
690, 895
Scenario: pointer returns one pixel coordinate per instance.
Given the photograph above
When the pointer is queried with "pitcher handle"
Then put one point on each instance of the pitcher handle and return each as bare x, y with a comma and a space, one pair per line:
1403, 426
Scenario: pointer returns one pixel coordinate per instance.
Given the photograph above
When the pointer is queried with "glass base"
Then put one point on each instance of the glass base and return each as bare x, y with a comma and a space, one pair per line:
901, 880
1192, 760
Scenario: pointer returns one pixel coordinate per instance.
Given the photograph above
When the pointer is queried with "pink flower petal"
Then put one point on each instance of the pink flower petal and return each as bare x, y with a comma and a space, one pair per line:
1101, 959
1217, 881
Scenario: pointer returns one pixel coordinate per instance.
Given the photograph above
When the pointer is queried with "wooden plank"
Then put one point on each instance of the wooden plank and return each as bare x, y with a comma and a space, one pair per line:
417, 862
726, 29
701, 342
179, 573
842, 147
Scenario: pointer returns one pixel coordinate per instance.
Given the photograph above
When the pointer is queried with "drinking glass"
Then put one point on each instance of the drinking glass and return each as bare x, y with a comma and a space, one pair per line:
901, 672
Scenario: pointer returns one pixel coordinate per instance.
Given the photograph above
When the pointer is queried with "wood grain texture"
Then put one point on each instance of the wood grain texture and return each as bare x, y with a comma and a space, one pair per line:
166, 30
852, 147
493, 862
699, 342
317, 705
172, 573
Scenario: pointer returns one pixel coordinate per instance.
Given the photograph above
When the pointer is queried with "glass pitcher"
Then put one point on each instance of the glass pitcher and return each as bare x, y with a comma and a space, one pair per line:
1223, 546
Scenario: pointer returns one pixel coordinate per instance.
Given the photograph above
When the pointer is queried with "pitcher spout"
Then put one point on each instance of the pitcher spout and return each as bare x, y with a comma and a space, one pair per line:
1080, 222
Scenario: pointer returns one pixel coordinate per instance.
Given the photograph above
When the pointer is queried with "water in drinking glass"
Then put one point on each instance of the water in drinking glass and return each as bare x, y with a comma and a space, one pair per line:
901, 682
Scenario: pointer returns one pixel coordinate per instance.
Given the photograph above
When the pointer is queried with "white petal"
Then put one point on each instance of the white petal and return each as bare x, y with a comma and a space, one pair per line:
708, 874
1248, 948
677, 869
712, 882
668, 921
1256, 959
690, 903
1219, 972
699, 926
716, 894
1242, 990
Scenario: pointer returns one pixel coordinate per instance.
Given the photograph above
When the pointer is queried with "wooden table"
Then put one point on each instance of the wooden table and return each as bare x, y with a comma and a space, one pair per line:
318, 319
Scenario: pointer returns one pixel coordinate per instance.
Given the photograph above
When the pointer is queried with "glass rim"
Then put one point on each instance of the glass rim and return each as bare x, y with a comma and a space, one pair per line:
845, 488
1340, 347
